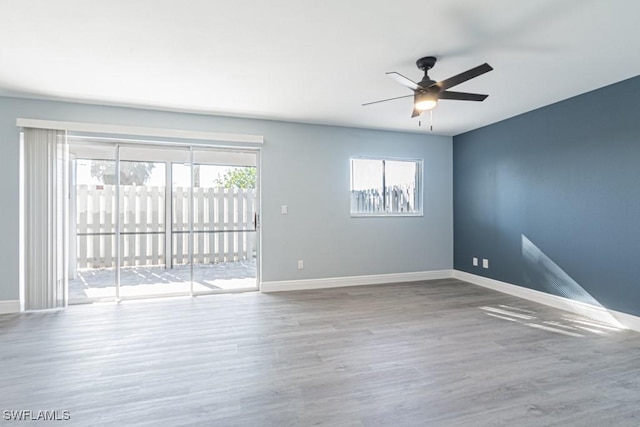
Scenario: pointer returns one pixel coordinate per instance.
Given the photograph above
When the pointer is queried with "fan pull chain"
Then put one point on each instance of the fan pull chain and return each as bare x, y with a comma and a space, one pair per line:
431, 120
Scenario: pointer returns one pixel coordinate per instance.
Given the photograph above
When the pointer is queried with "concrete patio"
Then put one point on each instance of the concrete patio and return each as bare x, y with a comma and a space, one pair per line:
99, 284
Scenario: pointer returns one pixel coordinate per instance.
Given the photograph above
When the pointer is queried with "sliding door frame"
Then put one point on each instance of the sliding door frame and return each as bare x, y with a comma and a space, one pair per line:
117, 144
118, 224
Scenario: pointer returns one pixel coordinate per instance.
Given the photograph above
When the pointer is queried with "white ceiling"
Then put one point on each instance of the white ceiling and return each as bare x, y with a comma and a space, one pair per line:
316, 61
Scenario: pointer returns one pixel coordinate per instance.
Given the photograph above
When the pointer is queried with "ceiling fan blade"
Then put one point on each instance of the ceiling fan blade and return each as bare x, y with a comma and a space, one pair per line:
463, 77
385, 100
462, 96
415, 112
403, 80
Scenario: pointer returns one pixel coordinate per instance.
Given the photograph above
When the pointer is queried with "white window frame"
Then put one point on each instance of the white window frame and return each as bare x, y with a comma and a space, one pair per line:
419, 205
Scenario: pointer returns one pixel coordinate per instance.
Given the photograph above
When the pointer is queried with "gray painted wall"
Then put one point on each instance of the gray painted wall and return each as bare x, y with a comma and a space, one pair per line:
303, 166
552, 198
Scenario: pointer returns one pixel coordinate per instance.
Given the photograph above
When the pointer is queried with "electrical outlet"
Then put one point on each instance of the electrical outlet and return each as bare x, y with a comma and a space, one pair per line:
300, 264
284, 209
475, 261
485, 263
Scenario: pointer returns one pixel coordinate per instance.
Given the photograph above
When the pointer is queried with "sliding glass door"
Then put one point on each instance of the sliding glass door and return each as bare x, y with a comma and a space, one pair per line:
155, 220
93, 218
224, 221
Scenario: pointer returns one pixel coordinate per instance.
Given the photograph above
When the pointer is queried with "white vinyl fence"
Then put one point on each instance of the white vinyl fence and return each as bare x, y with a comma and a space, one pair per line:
222, 222
372, 201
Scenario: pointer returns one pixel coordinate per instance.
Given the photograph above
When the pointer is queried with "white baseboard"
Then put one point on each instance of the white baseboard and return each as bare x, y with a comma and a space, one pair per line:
599, 313
10, 306
339, 282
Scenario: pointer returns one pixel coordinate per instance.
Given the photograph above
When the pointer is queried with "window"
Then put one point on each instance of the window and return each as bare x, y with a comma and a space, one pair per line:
386, 187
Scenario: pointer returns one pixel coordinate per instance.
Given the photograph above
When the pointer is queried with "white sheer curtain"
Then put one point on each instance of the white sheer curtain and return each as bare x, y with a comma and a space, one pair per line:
46, 191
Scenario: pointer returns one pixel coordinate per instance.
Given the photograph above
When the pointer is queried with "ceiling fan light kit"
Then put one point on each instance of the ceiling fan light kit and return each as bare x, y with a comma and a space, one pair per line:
425, 101
427, 92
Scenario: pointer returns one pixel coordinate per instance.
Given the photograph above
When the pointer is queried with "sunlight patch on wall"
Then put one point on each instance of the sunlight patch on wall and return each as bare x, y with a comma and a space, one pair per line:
540, 270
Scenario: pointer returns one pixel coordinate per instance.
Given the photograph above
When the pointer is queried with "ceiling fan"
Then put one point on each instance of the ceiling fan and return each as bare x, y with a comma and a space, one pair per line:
427, 92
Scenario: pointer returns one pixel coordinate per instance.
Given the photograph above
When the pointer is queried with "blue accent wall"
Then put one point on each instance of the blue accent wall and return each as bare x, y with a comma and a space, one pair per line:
552, 198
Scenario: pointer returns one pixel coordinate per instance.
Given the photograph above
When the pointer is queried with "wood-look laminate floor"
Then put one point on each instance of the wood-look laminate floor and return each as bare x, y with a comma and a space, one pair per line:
438, 353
